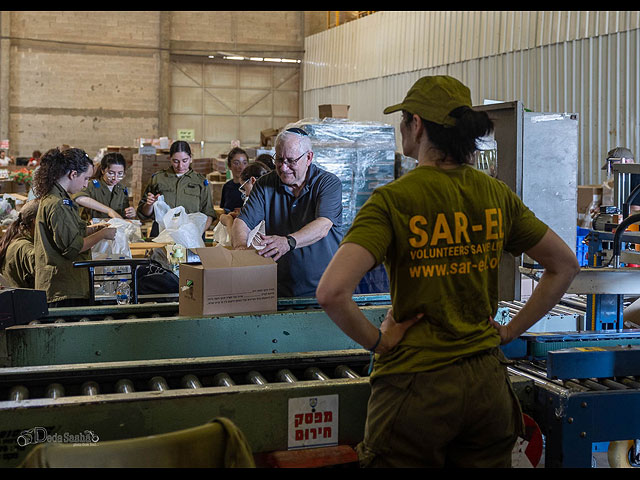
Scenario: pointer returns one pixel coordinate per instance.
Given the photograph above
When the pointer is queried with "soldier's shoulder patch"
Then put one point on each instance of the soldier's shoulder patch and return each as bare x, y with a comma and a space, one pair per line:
67, 201
96, 183
206, 182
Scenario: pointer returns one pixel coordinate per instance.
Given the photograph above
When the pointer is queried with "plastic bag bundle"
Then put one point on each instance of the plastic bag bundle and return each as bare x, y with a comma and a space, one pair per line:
182, 228
126, 231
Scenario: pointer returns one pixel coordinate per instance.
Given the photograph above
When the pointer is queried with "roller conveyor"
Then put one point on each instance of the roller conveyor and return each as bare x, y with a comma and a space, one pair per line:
152, 331
123, 400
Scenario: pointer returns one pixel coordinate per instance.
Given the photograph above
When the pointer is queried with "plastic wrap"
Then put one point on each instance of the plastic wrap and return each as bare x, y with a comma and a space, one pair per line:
360, 154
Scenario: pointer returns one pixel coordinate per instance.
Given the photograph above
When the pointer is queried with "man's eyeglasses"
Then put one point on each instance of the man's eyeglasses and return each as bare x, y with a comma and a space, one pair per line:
241, 187
291, 162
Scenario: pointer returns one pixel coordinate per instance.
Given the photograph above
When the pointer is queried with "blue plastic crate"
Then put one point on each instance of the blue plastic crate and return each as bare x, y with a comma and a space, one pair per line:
581, 248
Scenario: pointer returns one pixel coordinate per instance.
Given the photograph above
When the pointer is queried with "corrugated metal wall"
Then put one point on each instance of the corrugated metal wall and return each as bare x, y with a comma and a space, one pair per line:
582, 62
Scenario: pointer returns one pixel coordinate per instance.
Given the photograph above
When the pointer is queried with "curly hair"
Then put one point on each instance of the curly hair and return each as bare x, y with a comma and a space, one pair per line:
56, 163
459, 142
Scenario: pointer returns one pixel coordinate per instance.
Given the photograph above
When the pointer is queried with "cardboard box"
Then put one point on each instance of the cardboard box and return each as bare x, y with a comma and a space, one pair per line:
268, 137
333, 111
586, 194
228, 282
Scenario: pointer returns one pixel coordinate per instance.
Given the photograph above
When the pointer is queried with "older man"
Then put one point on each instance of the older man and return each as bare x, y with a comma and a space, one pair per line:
301, 205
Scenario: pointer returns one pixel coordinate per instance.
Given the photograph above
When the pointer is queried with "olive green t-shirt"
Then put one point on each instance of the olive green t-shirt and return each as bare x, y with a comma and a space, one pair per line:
440, 234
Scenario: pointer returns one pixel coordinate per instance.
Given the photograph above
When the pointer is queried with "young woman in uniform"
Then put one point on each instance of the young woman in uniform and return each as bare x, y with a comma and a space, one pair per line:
180, 185
104, 197
16, 248
440, 392
61, 237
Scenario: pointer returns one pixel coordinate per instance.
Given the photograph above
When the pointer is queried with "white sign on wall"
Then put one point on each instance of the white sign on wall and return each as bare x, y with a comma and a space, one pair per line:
313, 421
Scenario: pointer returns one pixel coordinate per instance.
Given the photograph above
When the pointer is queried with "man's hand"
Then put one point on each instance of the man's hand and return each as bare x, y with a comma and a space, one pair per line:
275, 246
393, 332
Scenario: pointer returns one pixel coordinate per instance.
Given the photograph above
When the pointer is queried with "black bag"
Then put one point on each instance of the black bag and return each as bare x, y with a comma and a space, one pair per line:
157, 277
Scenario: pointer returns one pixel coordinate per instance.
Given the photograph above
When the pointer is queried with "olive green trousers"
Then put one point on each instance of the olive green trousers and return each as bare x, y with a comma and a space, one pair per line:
463, 415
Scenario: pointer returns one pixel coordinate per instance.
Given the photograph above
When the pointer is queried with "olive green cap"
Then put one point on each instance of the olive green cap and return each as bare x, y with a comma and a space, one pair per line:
433, 98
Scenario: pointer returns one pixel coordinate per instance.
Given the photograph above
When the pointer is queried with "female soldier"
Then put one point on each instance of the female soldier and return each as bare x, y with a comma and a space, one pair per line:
230, 199
61, 236
104, 196
180, 185
440, 393
16, 248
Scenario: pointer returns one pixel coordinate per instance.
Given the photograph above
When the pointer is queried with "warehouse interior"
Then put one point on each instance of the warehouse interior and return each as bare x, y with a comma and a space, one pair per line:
269, 380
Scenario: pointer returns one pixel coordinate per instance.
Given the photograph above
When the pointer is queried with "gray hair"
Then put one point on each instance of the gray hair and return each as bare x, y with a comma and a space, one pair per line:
304, 142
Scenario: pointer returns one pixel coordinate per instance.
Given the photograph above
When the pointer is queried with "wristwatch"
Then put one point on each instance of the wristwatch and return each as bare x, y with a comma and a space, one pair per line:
292, 242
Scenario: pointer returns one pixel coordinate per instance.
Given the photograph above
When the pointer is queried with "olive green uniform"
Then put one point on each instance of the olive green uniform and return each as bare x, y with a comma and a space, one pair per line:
18, 266
116, 199
442, 396
190, 190
58, 239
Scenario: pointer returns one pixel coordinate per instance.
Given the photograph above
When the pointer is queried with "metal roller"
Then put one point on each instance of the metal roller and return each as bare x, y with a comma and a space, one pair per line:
90, 388
18, 393
55, 390
191, 381
159, 384
256, 378
285, 375
342, 371
313, 373
223, 380
124, 386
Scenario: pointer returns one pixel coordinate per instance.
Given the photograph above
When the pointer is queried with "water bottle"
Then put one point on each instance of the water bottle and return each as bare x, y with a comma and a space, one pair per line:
123, 292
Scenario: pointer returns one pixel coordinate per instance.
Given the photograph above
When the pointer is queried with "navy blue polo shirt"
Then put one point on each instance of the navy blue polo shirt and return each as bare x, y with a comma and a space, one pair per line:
231, 197
299, 271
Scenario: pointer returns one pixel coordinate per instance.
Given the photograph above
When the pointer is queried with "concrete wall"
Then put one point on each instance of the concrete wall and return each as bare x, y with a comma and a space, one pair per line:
92, 79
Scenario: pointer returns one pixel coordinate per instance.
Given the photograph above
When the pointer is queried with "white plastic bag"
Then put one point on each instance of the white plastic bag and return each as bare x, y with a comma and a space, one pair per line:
160, 209
221, 235
126, 232
182, 228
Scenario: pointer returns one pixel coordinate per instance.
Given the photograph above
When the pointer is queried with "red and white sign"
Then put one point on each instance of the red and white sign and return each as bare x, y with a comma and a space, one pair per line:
313, 421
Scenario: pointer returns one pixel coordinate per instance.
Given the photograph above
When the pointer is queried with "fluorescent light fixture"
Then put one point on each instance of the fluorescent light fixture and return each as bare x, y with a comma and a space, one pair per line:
256, 59
289, 60
212, 56
273, 60
233, 57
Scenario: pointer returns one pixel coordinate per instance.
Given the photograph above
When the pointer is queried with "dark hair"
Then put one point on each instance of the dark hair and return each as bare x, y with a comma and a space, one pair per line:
255, 169
36, 154
111, 158
20, 226
267, 160
235, 151
459, 142
180, 146
56, 163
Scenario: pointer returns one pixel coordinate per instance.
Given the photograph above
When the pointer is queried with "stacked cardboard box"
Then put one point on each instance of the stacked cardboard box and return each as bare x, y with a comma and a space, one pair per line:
202, 165
361, 154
